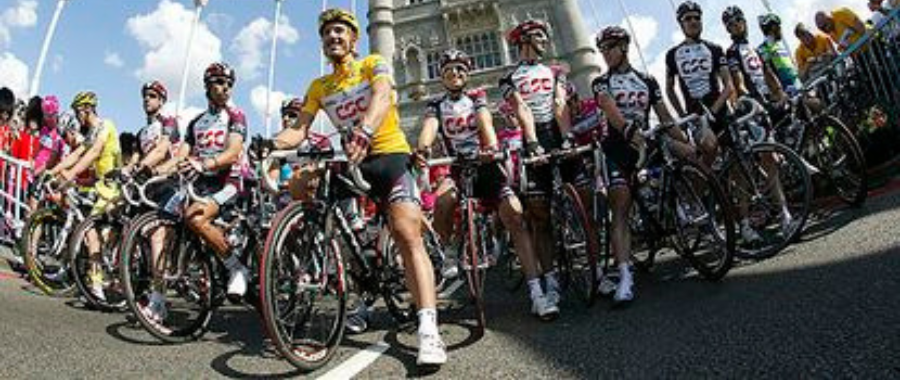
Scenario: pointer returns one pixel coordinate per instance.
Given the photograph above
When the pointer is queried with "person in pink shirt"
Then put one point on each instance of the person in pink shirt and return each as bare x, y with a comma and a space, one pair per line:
50, 143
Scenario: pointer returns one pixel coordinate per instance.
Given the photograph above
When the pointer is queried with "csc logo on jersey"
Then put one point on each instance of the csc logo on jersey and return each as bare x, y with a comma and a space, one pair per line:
633, 99
459, 124
352, 109
535, 85
693, 66
213, 139
753, 63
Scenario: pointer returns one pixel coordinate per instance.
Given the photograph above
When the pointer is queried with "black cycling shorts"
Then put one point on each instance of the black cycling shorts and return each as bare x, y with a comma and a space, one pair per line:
390, 178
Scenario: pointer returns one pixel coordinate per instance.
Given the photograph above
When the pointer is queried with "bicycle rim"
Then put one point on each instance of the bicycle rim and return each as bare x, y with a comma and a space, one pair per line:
703, 220
302, 290
579, 243
474, 266
109, 232
834, 150
44, 255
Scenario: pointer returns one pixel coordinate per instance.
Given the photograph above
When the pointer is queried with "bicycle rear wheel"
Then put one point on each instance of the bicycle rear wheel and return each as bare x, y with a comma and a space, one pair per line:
771, 193
833, 149
109, 230
302, 289
44, 251
703, 220
185, 282
578, 269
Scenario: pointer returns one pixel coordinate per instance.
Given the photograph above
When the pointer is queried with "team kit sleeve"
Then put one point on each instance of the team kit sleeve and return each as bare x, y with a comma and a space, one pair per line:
656, 95
600, 85
238, 122
479, 98
671, 69
507, 87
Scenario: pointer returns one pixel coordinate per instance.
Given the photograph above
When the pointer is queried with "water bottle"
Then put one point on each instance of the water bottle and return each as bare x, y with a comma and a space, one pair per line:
175, 204
285, 173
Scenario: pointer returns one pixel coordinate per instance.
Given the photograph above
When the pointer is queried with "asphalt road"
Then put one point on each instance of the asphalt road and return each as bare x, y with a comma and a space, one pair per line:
827, 307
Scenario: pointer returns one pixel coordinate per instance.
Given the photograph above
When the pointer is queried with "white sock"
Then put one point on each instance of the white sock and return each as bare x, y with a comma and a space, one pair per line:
534, 286
428, 321
552, 283
233, 263
625, 272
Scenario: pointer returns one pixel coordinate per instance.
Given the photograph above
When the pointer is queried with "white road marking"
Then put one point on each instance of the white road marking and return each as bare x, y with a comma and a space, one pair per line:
357, 363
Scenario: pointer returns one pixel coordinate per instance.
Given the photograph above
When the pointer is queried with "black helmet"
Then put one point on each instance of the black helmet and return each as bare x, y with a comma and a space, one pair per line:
688, 6
613, 33
732, 13
769, 21
7, 100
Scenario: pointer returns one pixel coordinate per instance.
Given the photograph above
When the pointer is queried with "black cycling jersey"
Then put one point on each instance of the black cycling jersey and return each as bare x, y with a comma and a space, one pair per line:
697, 65
634, 93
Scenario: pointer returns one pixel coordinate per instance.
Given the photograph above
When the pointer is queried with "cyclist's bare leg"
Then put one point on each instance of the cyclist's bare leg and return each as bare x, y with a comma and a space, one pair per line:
406, 227
514, 221
620, 200
443, 214
541, 234
157, 243
199, 218
708, 146
92, 239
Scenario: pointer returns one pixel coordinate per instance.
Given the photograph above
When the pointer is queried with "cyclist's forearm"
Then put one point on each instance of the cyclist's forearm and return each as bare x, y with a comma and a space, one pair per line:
292, 136
486, 127
86, 161
428, 134
157, 154
673, 99
379, 106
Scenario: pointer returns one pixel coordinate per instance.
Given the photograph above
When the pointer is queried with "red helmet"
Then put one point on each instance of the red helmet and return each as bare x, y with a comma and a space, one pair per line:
157, 87
515, 36
218, 69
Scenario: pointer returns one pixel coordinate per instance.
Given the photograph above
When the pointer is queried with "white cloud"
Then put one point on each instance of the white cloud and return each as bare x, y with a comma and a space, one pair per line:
645, 30
22, 15
113, 59
15, 74
253, 41
162, 35
258, 100
58, 62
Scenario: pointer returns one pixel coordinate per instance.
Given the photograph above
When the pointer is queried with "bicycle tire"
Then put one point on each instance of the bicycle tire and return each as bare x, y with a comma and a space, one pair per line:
578, 272
796, 186
474, 265
136, 276
603, 230
853, 188
710, 207
53, 281
79, 263
304, 353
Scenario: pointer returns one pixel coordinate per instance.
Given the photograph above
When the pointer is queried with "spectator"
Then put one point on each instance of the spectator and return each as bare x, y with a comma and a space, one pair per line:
51, 146
7, 111
881, 9
814, 53
25, 146
842, 25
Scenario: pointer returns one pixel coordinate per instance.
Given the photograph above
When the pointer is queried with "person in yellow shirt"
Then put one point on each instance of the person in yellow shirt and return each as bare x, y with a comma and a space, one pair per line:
103, 154
359, 99
814, 53
842, 25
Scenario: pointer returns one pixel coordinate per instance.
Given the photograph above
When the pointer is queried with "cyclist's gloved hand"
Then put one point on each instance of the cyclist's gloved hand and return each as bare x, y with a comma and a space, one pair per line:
533, 148
359, 141
421, 156
487, 154
568, 141
143, 173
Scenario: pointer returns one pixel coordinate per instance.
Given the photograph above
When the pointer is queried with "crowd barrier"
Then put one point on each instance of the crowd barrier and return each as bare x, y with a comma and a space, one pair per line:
13, 196
865, 89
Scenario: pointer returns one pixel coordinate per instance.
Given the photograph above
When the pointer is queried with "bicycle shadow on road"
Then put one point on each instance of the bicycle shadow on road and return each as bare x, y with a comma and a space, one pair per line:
241, 327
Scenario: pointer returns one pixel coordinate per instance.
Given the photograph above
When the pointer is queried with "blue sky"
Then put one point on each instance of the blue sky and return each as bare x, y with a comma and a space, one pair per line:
113, 46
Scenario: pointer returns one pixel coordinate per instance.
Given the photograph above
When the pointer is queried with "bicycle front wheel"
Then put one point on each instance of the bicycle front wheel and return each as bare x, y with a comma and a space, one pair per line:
109, 231
474, 261
44, 251
703, 221
578, 269
302, 289
832, 148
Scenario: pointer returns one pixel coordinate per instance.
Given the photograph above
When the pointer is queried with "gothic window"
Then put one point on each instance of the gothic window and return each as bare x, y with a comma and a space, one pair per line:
484, 48
413, 66
433, 61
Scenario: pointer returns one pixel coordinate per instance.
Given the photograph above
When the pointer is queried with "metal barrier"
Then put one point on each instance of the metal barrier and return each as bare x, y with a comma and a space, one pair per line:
14, 174
864, 90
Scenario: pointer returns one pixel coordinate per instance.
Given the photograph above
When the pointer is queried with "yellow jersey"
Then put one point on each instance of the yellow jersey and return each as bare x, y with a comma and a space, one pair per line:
346, 94
111, 155
821, 46
844, 21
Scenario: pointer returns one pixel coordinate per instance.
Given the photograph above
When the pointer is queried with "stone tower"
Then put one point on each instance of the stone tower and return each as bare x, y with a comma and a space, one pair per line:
413, 33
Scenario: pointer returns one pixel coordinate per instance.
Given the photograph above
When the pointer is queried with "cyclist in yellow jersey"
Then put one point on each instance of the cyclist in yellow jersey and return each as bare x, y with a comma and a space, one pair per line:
102, 154
359, 96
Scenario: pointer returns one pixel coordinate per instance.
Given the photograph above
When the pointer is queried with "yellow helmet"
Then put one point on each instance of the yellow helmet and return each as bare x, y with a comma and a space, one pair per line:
85, 98
339, 15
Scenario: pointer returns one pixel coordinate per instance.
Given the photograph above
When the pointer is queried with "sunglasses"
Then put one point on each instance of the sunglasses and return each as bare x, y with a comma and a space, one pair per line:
734, 22
607, 47
290, 115
691, 18
222, 82
151, 95
456, 69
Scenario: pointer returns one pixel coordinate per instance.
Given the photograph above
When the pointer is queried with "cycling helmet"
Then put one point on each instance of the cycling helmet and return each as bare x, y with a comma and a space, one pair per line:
613, 33
338, 15
158, 87
291, 104
85, 98
732, 13
769, 21
218, 69
50, 105
455, 56
68, 123
686, 7
515, 36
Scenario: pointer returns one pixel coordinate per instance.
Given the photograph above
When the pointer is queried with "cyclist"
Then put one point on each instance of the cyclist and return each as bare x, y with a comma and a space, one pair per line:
751, 75
461, 119
814, 54
775, 56
157, 145
626, 97
537, 95
215, 140
702, 72
358, 97
102, 154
